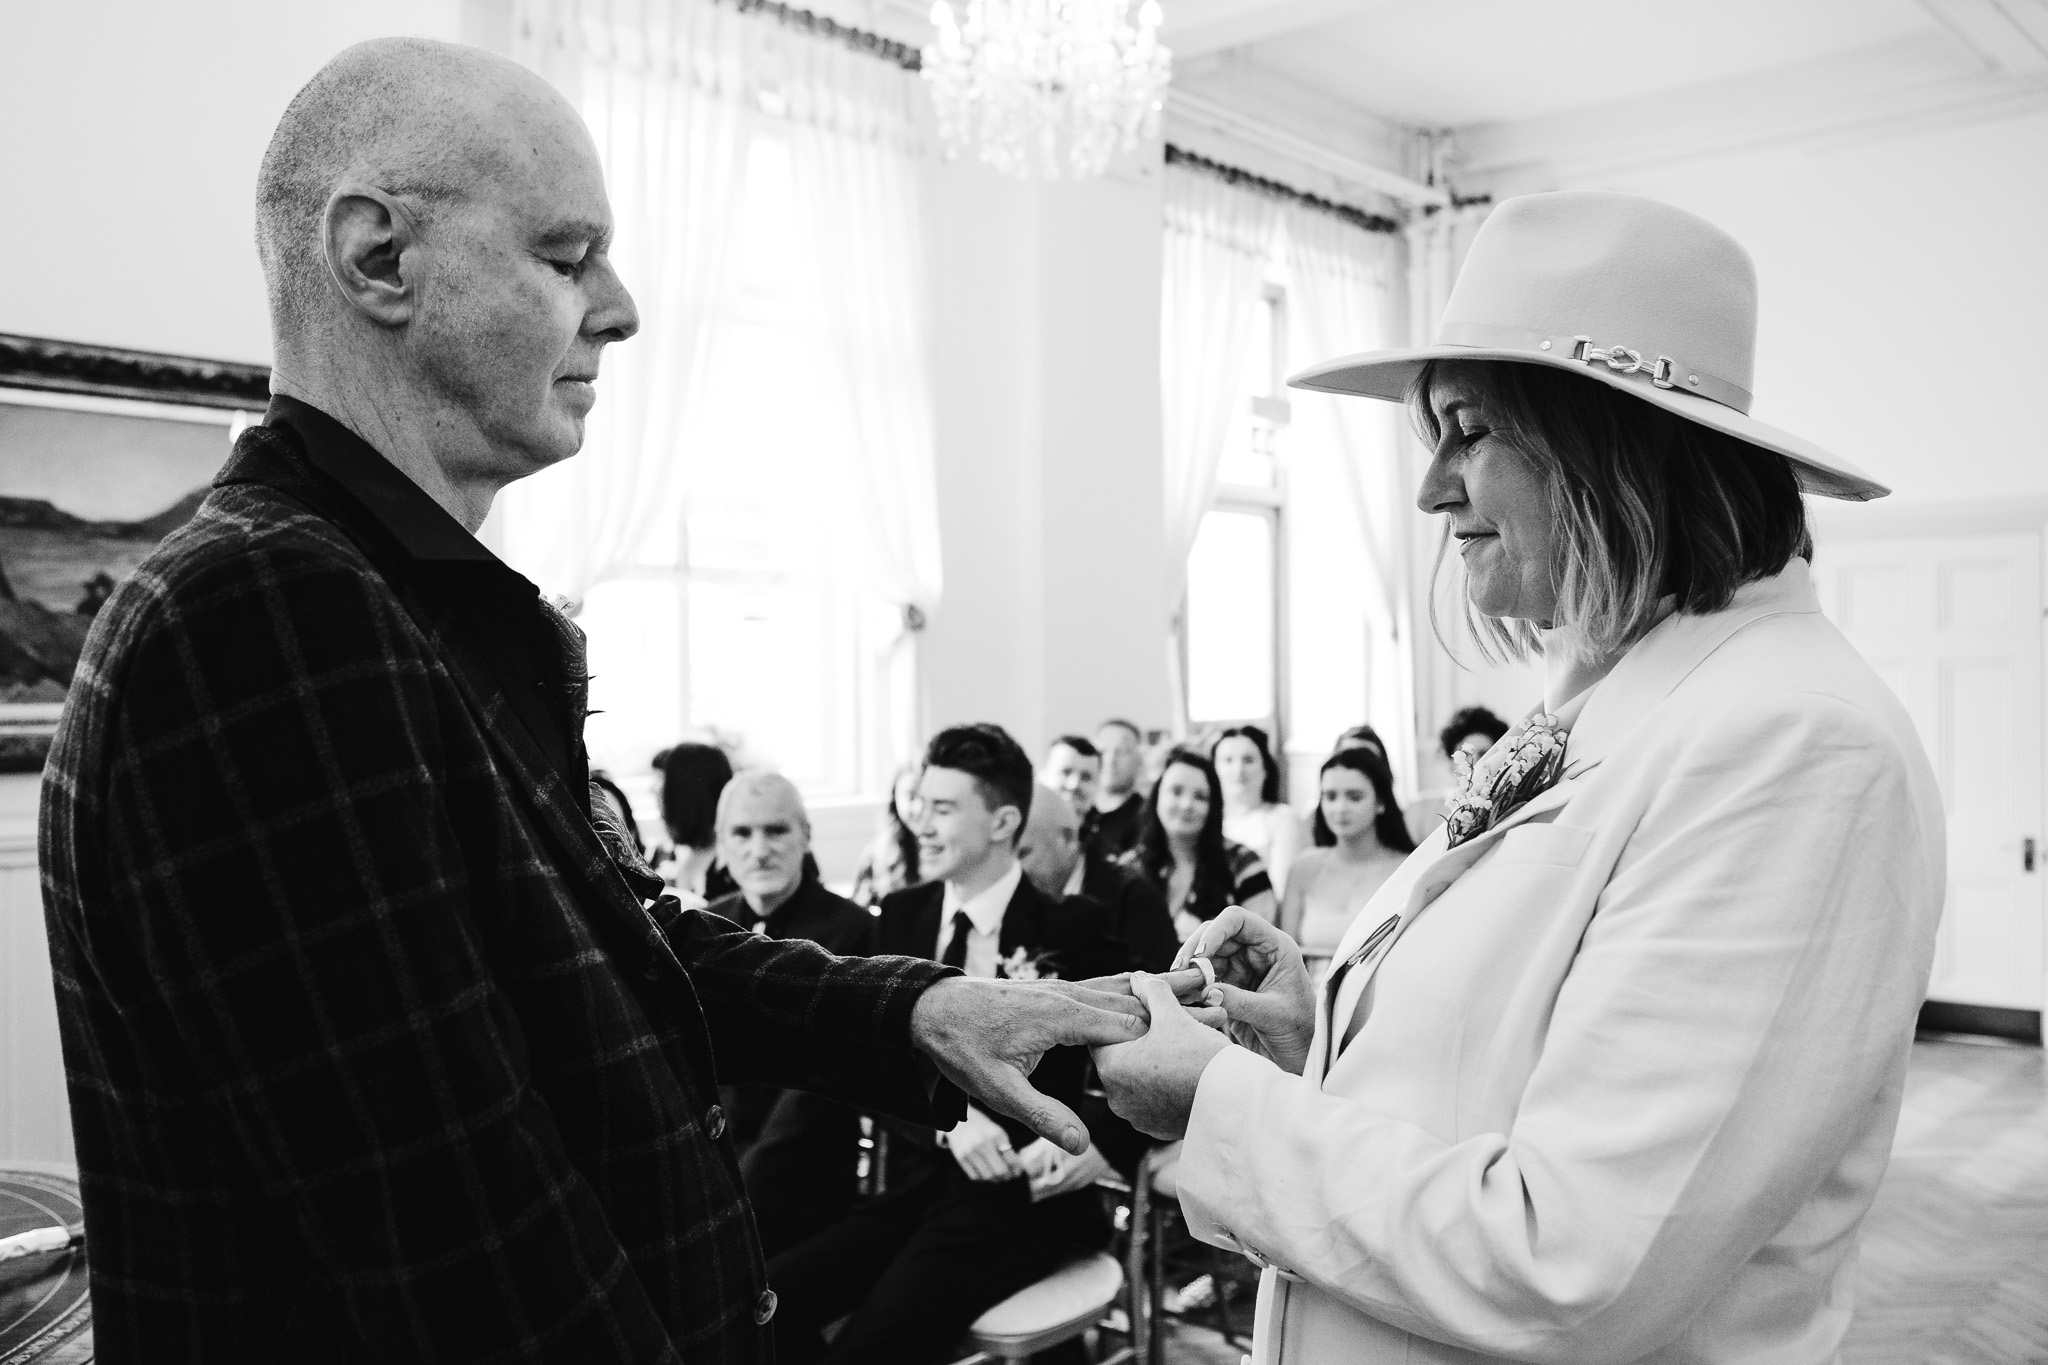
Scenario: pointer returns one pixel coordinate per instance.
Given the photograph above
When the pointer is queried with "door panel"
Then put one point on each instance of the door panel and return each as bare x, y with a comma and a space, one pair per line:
1953, 625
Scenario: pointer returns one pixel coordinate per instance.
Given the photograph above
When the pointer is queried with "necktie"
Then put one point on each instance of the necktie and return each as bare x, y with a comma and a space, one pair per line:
956, 947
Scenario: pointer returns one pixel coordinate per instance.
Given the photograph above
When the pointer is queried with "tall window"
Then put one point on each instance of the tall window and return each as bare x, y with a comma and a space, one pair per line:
734, 619
1236, 626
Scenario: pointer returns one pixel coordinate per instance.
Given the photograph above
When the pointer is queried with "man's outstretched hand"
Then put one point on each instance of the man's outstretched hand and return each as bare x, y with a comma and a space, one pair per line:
987, 1036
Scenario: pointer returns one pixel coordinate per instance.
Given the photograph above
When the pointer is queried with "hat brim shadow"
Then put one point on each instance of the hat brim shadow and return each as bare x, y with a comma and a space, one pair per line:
1387, 375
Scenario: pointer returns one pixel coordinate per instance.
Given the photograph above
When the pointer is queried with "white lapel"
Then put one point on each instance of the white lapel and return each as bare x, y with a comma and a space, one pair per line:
1655, 665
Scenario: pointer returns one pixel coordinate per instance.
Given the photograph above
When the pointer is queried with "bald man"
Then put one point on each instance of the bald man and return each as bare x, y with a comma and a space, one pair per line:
378, 1049
1059, 862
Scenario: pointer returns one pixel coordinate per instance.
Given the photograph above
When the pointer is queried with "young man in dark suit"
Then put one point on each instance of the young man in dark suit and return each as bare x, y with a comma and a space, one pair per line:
1059, 864
993, 1208
378, 1048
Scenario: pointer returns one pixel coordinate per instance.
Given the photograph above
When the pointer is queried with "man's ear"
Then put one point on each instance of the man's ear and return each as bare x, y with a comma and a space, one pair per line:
1006, 825
370, 243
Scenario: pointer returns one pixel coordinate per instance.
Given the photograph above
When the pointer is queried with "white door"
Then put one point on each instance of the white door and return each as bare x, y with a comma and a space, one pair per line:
1953, 624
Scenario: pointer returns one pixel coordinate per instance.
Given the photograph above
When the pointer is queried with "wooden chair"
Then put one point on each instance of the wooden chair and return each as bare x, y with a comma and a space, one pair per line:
1060, 1307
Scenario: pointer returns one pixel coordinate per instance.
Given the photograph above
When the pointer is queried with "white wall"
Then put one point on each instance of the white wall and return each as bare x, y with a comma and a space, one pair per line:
1902, 284
1050, 489
136, 127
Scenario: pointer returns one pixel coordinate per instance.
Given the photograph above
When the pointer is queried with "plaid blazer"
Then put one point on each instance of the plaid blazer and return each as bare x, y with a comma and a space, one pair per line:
374, 1053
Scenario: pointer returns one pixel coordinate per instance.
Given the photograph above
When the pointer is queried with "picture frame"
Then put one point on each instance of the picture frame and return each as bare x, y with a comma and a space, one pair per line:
103, 452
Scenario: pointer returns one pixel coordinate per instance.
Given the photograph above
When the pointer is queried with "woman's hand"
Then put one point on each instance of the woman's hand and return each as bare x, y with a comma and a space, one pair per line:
1262, 985
1151, 1083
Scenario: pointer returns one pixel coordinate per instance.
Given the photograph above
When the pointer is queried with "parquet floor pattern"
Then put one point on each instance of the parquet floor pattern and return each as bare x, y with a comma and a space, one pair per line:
1955, 1252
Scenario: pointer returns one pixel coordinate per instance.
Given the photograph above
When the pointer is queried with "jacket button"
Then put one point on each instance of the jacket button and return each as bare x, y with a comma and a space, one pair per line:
764, 1308
652, 971
714, 1124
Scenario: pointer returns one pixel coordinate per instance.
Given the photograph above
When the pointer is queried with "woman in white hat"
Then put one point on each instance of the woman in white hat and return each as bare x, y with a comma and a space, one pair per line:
1608, 1071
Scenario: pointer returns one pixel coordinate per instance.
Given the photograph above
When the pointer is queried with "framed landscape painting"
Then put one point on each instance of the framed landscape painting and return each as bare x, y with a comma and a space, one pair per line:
103, 453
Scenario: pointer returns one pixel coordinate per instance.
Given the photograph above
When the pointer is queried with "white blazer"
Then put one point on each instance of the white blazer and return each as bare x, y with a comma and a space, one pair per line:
1629, 1067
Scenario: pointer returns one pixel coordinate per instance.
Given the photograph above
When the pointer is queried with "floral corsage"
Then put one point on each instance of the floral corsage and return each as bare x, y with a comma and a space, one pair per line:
1024, 965
1509, 775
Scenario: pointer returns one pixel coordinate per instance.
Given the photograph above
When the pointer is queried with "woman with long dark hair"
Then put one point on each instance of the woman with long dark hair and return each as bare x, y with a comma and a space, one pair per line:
1253, 813
1360, 840
692, 776
1181, 847
889, 862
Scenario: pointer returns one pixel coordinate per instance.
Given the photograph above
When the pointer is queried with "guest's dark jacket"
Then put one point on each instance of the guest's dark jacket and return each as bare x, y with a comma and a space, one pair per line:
376, 1051
1137, 908
832, 922
1114, 833
1073, 939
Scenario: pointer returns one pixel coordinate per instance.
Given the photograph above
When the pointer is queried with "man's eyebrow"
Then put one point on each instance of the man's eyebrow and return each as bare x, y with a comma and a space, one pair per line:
581, 232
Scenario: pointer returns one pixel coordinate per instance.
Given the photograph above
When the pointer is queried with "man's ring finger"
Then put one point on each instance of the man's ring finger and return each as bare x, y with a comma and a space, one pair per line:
1208, 973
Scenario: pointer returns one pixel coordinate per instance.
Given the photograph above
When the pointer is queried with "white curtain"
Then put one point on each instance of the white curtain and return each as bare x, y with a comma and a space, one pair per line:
859, 164
675, 92
1219, 242
1341, 277
662, 87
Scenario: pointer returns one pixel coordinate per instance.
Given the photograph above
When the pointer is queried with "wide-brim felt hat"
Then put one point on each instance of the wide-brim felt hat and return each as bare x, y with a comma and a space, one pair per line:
1633, 293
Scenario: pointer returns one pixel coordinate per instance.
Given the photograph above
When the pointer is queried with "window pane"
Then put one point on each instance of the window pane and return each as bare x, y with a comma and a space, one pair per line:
1231, 618
769, 667
636, 698
1258, 357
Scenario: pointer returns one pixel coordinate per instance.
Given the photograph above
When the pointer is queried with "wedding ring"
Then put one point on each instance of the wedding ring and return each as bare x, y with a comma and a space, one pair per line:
1208, 972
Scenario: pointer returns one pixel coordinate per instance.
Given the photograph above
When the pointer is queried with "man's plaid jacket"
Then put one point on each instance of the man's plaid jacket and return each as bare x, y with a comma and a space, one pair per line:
374, 1052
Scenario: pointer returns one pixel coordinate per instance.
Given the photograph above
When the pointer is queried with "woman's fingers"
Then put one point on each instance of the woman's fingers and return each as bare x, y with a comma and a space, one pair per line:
1186, 983
1283, 1021
1241, 946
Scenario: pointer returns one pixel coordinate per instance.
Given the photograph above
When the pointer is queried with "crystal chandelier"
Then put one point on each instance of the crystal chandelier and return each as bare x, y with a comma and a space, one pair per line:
1032, 85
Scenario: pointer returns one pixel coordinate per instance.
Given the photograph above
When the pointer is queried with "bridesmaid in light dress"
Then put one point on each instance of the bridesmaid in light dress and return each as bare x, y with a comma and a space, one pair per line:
1360, 839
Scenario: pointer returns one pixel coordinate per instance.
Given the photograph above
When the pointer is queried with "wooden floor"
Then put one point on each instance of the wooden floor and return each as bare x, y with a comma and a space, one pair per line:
1955, 1254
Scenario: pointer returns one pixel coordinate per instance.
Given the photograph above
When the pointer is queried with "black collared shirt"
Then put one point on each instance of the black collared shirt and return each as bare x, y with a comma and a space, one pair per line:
500, 610
812, 912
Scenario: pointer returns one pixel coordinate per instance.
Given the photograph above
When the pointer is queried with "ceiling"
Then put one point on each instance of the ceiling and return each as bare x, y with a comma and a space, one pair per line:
1535, 90
1587, 86
1456, 63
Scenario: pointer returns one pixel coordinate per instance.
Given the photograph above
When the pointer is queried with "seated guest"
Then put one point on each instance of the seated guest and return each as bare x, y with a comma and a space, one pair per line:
1253, 813
797, 1151
692, 777
1059, 865
1360, 737
960, 1229
1119, 808
1182, 850
1470, 732
1072, 767
889, 863
1360, 840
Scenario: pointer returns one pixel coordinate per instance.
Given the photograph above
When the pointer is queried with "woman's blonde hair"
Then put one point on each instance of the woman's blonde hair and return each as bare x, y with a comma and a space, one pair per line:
1647, 504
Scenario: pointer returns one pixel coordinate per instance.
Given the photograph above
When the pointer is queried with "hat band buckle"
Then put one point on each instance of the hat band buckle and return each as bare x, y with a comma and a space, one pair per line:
1624, 360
